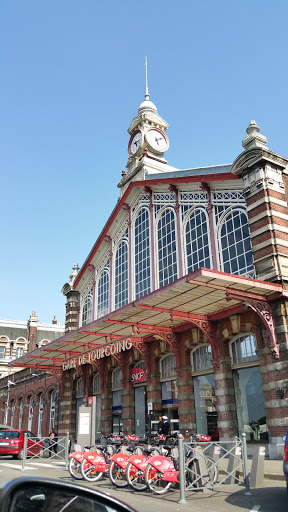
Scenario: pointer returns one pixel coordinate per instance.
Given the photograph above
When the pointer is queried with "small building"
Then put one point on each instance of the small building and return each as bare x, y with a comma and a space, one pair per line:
181, 305
20, 388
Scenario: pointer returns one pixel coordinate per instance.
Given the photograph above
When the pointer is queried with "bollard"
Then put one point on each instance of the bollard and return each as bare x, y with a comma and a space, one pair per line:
257, 468
182, 500
245, 466
24, 451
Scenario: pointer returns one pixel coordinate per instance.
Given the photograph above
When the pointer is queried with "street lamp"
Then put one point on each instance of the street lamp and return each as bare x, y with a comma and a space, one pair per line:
8, 396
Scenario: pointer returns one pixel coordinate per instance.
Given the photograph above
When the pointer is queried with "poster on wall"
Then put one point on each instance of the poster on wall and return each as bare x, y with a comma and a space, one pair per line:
84, 423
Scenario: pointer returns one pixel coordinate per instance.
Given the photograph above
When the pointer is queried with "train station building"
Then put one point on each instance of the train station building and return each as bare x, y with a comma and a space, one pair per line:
181, 305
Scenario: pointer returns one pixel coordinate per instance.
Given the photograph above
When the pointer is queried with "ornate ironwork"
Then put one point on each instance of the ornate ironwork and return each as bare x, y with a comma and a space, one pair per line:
82, 370
142, 347
264, 310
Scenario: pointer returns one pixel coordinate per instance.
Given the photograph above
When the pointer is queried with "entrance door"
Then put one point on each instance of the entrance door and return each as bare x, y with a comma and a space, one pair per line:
140, 410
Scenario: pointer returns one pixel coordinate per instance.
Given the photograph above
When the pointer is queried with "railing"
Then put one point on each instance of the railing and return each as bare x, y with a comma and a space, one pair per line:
39, 447
212, 464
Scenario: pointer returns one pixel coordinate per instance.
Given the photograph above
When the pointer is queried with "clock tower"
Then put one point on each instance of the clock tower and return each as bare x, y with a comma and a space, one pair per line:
147, 144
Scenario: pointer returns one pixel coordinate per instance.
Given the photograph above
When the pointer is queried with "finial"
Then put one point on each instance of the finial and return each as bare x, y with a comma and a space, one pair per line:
147, 96
254, 138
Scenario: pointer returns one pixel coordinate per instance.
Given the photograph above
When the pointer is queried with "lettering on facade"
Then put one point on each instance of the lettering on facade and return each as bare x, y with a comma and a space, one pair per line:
99, 353
138, 375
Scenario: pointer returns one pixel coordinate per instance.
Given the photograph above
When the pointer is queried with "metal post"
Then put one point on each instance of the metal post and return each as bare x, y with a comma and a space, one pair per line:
182, 500
67, 450
24, 451
245, 466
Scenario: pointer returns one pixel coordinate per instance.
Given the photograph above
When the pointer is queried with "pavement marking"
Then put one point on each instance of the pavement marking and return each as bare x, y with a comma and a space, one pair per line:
255, 508
14, 466
44, 465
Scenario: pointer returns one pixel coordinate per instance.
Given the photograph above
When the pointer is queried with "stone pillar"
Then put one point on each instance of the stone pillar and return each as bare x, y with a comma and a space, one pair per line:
128, 408
186, 406
65, 413
225, 405
106, 406
275, 381
154, 396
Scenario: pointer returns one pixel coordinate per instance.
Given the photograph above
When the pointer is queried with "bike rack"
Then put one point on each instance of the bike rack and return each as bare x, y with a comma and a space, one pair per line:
234, 472
62, 445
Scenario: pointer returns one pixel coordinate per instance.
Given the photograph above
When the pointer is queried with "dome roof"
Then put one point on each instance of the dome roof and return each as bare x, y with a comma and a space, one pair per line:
147, 105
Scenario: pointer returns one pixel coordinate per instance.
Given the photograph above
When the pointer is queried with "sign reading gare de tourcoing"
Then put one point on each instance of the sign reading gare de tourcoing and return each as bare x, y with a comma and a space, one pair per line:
99, 353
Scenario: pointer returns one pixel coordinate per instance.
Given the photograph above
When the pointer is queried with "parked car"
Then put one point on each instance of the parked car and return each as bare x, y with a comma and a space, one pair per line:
12, 443
285, 462
39, 494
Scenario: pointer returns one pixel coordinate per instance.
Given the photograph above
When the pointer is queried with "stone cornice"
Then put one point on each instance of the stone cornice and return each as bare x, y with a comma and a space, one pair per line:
252, 156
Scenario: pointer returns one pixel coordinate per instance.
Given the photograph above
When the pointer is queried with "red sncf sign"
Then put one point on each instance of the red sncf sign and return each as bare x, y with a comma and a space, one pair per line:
138, 375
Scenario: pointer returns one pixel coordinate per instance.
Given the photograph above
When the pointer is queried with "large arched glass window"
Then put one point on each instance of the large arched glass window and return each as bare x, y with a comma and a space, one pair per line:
142, 254
197, 242
204, 391
167, 252
121, 274
103, 293
87, 308
235, 244
249, 397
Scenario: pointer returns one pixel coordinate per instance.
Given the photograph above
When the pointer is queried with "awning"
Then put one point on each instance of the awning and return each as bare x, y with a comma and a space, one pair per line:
202, 296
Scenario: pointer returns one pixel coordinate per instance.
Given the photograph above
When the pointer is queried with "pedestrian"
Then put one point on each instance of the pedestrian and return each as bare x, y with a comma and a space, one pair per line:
52, 441
160, 425
166, 426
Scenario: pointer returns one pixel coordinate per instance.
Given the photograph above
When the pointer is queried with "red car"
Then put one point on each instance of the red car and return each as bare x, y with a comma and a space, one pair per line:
12, 443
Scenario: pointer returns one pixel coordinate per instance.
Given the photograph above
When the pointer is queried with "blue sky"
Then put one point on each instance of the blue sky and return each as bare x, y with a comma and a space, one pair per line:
72, 78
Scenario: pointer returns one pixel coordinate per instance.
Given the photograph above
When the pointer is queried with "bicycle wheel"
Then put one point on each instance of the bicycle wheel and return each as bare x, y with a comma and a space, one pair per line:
74, 468
117, 475
210, 476
135, 480
154, 481
212, 470
88, 472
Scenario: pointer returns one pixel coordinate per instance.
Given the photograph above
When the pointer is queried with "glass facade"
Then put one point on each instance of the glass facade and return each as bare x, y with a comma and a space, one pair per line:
167, 253
142, 254
197, 241
121, 275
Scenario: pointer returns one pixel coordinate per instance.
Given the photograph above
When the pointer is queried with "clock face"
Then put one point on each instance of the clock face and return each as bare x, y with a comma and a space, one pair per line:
157, 140
135, 142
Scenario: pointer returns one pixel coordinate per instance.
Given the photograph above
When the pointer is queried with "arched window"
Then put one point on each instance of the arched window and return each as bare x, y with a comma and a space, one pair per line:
201, 358
103, 293
167, 252
12, 413
79, 401
142, 254
40, 414
30, 413
197, 243
168, 368
204, 391
52, 410
87, 308
121, 274
235, 244
117, 401
117, 379
21, 409
243, 350
96, 384
249, 397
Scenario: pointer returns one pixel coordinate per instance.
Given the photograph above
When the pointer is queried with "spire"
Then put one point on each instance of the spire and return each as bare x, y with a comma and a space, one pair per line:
147, 95
147, 104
